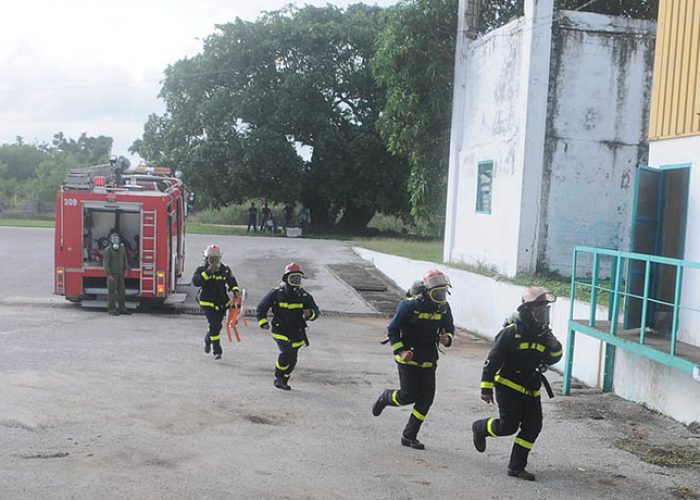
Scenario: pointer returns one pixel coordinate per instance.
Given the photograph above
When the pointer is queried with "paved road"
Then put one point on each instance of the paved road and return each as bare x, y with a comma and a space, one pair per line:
93, 406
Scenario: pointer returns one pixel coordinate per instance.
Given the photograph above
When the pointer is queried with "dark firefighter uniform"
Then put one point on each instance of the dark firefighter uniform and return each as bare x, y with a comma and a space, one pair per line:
288, 325
513, 369
416, 326
214, 301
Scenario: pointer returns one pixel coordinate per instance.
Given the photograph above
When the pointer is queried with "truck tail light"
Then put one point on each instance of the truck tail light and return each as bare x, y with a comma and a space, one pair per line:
160, 284
60, 281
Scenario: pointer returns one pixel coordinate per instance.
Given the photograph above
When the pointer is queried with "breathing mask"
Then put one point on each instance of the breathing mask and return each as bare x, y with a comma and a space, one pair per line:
294, 279
438, 294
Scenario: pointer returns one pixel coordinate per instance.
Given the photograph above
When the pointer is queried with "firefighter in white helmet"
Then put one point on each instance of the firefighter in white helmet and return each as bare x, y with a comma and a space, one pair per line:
421, 322
514, 368
214, 279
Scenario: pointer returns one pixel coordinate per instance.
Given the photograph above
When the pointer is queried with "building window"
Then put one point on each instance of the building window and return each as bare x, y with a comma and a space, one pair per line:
484, 187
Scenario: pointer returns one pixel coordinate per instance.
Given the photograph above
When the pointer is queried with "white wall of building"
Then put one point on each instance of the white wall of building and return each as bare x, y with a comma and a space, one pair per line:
490, 131
599, 102
481, 304
683, 150
579, 133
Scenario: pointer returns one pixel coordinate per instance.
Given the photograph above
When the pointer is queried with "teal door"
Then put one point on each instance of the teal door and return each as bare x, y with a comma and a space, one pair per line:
659, 219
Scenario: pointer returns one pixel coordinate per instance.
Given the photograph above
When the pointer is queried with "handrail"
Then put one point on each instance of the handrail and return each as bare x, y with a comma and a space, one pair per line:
619, 297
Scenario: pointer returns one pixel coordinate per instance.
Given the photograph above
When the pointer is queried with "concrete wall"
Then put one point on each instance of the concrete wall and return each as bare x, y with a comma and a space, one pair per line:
490, 131
597, 84
480, 304
599, 101
683, 150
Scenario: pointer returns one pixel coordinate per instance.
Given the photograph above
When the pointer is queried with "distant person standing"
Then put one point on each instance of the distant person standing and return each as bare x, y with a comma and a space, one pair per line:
252, 218
288, 214
115, 266
304, 219
265, 215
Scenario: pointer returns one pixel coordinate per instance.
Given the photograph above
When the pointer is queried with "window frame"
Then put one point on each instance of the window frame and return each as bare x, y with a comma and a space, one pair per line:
482, 168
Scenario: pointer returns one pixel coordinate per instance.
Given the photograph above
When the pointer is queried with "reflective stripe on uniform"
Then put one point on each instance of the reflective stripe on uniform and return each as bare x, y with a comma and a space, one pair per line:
532, 345
290, 305
204, 303
487, 385
393, 398
556, 354
277, 336
205, 276
418, 415
489, 427
429, 316
218, 337
279, 366
262, 321
525, 444
398, 345
516, 387
298, 344
313, 315
426, 364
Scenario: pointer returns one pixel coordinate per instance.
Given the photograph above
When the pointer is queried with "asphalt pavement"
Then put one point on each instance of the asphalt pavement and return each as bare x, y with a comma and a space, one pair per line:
100, 407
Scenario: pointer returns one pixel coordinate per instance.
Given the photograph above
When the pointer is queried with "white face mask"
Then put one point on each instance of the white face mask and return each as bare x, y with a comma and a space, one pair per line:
115, 246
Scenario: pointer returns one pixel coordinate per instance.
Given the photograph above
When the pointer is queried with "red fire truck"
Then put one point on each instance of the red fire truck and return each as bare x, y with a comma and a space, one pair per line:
146, 206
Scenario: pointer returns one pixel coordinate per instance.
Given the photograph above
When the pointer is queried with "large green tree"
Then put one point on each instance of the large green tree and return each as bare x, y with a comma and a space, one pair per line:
414, 63
283, 108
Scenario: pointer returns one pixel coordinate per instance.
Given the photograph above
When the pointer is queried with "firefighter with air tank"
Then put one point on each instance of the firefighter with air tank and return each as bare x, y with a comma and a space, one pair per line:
292, 306
421, 322
514, 368
214, 278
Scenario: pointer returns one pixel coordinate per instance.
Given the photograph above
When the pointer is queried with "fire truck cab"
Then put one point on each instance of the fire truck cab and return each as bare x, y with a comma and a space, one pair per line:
146, 206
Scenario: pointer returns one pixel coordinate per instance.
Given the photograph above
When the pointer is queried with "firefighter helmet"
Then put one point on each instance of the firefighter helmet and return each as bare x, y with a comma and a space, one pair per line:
435, 278
292, 274
536, 295
212, 251
436, 284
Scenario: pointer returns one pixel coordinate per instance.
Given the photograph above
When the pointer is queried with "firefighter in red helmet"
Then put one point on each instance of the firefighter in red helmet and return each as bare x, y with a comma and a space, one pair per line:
514, 368
421, 322
214, 278
292, 306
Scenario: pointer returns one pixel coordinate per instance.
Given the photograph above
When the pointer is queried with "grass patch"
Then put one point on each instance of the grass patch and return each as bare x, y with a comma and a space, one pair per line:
216, 229
428, 250
682, 492
26, 222
663, 455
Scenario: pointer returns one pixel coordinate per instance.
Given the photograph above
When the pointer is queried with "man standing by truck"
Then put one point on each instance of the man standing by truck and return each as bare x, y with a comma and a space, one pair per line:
115, 265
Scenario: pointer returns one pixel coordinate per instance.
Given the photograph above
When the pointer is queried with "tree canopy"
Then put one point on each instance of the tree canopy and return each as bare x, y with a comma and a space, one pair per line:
415, 65
285, 109
33, 172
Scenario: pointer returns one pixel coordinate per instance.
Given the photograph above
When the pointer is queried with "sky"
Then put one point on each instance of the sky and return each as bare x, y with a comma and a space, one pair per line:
77, 66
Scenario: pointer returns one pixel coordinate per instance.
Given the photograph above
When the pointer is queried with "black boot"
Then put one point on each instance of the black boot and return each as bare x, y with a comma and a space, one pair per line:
479, 436
381, 402
521, 474
207, 344
518, 461
281, 383
412, 443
